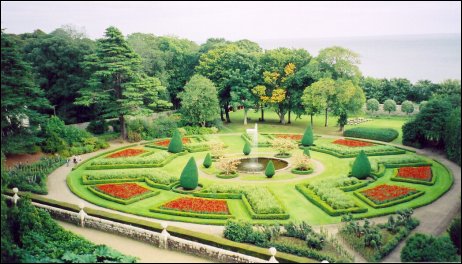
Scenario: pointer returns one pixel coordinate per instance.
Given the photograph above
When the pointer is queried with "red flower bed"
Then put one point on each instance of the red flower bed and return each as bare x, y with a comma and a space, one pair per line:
352, 143
127, 153
287, 136
386, 193
198, 205
419, 173
166, 142
122, 191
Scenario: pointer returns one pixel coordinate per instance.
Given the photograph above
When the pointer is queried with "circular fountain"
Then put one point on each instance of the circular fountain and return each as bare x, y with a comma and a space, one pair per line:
255, 165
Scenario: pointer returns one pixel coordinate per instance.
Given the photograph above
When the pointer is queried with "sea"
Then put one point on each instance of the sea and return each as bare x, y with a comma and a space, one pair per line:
434, 57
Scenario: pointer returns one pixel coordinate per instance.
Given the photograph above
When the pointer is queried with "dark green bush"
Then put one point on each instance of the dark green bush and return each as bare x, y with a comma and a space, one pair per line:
424, 248
207, 161
247, 149
115, 123
308, 138
374, 133
454, 233
98, 127
176, 145
361, 166
306, 151
189, 178
270, 171
238, 231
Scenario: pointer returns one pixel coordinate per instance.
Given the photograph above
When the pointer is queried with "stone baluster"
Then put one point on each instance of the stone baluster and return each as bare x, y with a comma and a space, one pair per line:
164, 235
82, 214
15, 196
273, 251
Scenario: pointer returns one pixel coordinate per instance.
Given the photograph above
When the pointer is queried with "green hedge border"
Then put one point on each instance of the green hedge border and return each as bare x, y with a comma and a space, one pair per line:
135, 166
314, 198
176, 185
137, 198
102, 154
157, 209
246, 138
233, 175
86, 181
396, 178
344, 156
284, 156
354, 187
391, 203
301, 172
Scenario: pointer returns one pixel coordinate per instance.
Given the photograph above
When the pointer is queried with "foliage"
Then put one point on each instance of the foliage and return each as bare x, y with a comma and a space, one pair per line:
217, 149
350, 152
199, 101
329, 192
372, 105
189, 178
207, 161
155, 158
302, 162
98, 127
154, 175
238, 230
361, 168
454, 233
176, 145
228, 166
389, 106
374, 133
425, 248
247, 148
452, 139
270, 171
407, 107
196, 130
306, 151
20, 115
283, 146
308, 137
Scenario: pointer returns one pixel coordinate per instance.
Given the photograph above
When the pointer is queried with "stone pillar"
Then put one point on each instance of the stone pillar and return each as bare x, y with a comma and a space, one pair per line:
324, 261
15, 196
164, 235
82, 214
273, 251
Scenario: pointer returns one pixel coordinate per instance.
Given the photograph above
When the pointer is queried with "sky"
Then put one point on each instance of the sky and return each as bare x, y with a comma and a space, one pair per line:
237, 20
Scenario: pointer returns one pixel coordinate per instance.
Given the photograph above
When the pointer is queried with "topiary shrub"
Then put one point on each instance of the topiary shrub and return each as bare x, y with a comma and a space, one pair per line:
176, 145
270, 171
361, 166
207, 161
424, 248
306, 152
189, 178
454, 233
247, 149
308, 138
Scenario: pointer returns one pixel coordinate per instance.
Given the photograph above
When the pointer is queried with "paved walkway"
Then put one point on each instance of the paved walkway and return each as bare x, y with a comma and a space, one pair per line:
434, 218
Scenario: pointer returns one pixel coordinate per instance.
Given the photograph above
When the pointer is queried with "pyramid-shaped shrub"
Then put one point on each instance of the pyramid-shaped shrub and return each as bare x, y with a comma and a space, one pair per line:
207, 161
270, 171
361, 166
176, 145
308, 138
247, 149
189, 178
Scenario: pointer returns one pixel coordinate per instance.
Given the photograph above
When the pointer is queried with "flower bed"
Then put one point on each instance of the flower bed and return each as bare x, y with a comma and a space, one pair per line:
384, 193
122, 191
352, 143
289, 136
423, 173
166, 142
126, 153
198, 205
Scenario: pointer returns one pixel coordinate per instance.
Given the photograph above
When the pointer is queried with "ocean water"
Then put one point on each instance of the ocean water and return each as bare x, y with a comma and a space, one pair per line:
416, 57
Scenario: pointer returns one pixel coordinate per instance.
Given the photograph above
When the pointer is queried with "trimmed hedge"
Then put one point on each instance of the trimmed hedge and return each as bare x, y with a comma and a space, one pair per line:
394, 202
308, 138
247, 139
354, 187
133, 166
395, 177
225, 176
374, 133
254, 215
361, 168
122, 201
102, 154
312, 197
158, 185
270, 171
247, 149
189, 176
302, 172
207, 161
336, 152
157, 209
176, 145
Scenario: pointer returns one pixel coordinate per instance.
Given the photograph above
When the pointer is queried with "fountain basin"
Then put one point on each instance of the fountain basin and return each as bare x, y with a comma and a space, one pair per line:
256, 165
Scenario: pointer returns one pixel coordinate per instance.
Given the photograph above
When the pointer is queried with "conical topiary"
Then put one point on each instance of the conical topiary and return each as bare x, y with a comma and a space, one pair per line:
306, 151
361, 166
269, 171
189, 178
247, 149
176, 145
207, 161
308, 138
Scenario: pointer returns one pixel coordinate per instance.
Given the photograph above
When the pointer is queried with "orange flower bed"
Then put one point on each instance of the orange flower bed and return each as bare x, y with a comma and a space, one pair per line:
288, 136
419, 173
127, 153
123, 191
386, 193
352, 143
198, 205
166, 142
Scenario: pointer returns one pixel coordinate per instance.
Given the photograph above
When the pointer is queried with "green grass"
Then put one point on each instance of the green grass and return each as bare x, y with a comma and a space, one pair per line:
299, 208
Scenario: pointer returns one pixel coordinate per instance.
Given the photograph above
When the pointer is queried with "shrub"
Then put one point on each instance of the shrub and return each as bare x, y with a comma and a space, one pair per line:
165, 126
302, 162
115, 123
238, 231
247, 149
133, 136
407, 107
361, 166
306, 152
228, 166
270, 171
189, 178
454, 233
381, 134
372, 105
308, 138
389, 106
424, 248
207, 161
98, 127
283, 145
176, 145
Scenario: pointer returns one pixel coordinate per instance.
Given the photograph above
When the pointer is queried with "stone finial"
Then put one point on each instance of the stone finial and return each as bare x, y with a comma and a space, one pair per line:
82, 214
81, 205
15, 196
324, 261
273, 251
164, 226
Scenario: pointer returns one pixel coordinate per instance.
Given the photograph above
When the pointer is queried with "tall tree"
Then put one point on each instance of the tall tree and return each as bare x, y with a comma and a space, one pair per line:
21, 101
117, 83
339, 63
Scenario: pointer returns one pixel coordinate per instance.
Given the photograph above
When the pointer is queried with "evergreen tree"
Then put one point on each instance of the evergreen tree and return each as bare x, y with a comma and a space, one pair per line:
247, 148
308, 137
189, 178
176, 145
306, 151
21, 101
117, 83
361, 166
207, 161
270, 171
